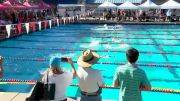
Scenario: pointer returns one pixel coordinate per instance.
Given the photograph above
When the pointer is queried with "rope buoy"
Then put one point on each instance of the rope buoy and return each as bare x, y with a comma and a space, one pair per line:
110, 42
124, 33
14, 81
111, 63
73, 49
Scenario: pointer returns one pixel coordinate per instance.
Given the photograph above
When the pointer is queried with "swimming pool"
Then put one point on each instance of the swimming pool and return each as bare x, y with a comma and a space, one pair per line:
158, 45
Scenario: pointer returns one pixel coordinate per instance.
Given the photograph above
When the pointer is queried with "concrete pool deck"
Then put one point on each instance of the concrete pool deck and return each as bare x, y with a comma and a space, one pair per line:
15, 96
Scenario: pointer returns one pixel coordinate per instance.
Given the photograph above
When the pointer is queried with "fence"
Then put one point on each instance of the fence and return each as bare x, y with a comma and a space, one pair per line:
11, 30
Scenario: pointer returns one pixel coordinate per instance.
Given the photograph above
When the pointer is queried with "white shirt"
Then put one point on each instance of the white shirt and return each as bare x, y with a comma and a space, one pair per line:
62, 81
169, 12
89, 79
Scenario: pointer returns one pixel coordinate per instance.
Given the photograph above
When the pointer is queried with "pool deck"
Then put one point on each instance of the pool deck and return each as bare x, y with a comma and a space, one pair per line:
14, 96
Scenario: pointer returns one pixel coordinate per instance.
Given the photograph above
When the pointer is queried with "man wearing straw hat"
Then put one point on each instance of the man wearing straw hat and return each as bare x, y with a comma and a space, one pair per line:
130, 78
1, 68
89, 79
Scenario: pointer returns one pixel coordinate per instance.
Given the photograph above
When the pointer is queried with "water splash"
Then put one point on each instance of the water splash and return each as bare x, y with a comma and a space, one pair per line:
93, 44
117, 40
108, 46
124, 46
106, 27
63, 55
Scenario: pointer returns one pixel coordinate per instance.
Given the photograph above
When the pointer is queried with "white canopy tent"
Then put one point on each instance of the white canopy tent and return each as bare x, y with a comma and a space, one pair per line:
171, 4
149, 5
107, 4
127, 5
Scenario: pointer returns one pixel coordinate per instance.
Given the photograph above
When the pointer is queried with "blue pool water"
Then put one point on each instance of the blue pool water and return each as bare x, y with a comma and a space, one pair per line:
69, 40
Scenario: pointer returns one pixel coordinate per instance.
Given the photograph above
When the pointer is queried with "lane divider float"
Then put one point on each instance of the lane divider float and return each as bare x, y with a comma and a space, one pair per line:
30, 82
73, 49
110, 42
109, 37
110, 63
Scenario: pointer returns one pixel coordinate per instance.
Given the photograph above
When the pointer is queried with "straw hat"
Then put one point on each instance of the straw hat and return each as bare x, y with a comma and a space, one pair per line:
88, 58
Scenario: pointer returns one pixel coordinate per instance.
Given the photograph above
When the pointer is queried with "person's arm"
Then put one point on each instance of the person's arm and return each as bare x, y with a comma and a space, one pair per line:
116, 80
1, 67
145, 84
72, 66
115, 84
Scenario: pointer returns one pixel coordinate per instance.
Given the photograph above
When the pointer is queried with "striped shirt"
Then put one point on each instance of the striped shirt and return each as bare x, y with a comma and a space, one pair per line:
130, 78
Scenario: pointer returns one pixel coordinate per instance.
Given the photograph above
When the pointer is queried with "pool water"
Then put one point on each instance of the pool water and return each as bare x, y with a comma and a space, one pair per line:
158, 44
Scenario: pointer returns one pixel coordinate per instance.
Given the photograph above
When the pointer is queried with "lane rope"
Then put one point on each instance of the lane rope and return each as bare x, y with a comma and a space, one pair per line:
90, 33
29, 82
111, 63
126, 33
73, 49
119, 31
111, 42
113, 37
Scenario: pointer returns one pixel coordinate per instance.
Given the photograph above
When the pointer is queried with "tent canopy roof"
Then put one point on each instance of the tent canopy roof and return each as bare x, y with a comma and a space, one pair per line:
14, 4
107, 4
171, 4
149, 5
30, 5
2, 7
127, 5
42, 5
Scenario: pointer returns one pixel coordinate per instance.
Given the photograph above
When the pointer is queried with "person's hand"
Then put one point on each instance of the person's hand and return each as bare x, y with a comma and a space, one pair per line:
1, 60
70, 61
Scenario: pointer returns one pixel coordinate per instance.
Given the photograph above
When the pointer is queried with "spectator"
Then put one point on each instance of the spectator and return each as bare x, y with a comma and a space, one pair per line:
168, 14
1, 67
62, 79
130, 78
89, 79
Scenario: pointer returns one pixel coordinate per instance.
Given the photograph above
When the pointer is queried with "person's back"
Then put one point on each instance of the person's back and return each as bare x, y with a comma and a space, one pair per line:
130, 78
62, 79
89, 79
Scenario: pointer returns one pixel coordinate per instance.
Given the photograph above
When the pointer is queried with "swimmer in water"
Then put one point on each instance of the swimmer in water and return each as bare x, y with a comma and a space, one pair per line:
105, 25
